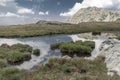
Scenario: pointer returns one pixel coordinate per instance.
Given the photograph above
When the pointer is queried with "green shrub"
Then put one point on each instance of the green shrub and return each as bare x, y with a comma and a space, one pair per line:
5, 46
27, 56
89, 44
22, 47
9, 74
78, 48
2, 63
15, 57
96, 33
36, 52
9, 71
86, 43
55, 46
16, 53
3, 53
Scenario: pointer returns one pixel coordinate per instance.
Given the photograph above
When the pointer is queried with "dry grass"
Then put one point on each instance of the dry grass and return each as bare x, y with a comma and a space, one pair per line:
33, 30
62, 69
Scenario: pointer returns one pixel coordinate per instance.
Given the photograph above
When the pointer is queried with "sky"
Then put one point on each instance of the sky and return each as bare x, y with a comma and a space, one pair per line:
14, 12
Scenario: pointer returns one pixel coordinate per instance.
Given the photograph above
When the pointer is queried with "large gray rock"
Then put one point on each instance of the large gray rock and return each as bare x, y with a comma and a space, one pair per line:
111, 50
94, 14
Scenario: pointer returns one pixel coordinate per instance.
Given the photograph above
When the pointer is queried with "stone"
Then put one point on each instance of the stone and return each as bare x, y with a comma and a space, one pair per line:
111, 50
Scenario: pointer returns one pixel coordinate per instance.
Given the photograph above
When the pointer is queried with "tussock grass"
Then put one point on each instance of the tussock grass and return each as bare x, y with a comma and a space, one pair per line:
78, 48
62, 69
14, 54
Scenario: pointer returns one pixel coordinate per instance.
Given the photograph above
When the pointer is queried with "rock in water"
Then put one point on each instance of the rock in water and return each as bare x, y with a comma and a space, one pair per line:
94, 14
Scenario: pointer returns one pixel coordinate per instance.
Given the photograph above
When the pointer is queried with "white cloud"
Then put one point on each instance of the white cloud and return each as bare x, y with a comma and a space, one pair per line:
43, 13
25, 11
109, 4
9, 14
72, 11
47, 13
5, 2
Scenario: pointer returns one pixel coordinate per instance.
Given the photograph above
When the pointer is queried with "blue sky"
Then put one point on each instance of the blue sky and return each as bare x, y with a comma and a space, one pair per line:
30, 11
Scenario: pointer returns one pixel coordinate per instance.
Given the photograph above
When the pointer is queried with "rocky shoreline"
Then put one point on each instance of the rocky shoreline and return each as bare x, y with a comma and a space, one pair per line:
90, 36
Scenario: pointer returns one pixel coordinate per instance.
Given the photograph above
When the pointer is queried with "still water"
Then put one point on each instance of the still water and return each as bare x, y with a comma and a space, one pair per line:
43, 43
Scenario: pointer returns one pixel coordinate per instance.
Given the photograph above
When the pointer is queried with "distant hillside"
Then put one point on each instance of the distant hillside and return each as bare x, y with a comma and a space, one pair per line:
94, 14
43, 22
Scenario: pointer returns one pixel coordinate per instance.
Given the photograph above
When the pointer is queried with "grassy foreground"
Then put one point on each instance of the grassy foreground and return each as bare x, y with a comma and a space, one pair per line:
62, 69
32, 30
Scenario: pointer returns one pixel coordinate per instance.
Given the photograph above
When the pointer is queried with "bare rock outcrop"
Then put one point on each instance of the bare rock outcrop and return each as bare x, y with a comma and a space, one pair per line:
111, 50
94, 14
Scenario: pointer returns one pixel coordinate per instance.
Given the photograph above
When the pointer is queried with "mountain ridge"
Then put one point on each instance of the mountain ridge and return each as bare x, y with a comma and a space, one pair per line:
94, 14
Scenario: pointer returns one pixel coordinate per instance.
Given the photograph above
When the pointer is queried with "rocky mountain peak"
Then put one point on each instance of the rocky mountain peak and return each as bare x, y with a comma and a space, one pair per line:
94, 14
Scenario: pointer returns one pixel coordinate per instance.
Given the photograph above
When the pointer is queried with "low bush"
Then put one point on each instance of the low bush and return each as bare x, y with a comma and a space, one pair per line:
16, 53
86, 43
9, 74
2, 63
96, 33
78, 48
27, 56
3, 53
55, 46
16, 57
36, 52
89, 44
5, 46
22, 47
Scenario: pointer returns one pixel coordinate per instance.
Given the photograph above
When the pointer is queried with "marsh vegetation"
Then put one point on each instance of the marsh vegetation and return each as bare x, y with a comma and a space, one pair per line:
14, 54
79, 48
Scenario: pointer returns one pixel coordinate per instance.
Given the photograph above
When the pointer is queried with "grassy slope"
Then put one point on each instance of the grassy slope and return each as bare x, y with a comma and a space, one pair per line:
33, 30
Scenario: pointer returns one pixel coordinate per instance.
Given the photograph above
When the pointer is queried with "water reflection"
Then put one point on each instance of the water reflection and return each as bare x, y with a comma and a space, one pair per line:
42, 43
